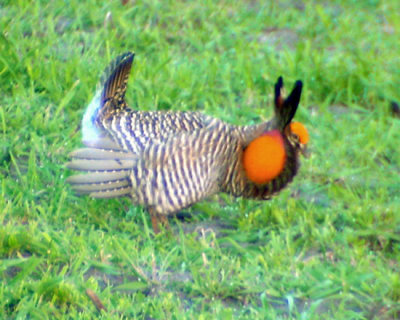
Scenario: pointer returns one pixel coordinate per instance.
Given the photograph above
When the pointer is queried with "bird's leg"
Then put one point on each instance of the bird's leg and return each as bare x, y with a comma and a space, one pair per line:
164, 221
157, 220
154, 220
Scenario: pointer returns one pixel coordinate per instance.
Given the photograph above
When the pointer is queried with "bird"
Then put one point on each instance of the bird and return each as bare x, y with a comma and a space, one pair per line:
168, 160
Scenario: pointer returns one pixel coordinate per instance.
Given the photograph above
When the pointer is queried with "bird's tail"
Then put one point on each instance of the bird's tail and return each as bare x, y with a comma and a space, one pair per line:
109, 97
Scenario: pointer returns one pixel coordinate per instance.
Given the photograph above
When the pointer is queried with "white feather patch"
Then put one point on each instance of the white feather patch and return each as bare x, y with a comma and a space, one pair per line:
90, 133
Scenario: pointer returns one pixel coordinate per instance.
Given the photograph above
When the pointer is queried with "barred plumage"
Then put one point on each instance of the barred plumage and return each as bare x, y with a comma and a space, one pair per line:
167, 161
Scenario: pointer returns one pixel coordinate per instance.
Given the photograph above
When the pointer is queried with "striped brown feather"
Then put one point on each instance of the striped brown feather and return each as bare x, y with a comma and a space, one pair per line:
183, 169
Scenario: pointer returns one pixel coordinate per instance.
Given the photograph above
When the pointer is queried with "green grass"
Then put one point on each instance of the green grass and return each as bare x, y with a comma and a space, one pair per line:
328, 247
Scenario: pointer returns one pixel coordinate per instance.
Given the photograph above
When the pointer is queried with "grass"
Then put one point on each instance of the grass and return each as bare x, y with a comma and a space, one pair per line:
328, 247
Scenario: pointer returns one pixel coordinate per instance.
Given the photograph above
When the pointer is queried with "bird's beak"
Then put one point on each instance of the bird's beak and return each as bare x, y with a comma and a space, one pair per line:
304, 150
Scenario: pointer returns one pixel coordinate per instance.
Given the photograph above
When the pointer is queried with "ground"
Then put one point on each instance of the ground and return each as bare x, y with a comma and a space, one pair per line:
328, 247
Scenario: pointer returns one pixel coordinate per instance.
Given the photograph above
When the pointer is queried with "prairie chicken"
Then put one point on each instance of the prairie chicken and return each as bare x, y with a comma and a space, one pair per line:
167, 161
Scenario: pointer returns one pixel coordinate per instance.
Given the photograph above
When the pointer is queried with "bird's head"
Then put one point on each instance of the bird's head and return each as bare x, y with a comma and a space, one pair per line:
276, 149
285, 110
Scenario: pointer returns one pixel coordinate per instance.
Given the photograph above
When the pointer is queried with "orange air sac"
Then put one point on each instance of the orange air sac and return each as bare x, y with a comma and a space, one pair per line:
265, 157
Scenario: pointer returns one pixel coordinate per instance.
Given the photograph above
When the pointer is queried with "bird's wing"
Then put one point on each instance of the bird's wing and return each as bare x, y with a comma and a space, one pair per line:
185, 168
106, 172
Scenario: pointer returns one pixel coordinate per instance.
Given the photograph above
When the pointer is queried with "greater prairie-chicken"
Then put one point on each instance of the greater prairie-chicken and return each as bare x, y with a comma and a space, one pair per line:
167, 161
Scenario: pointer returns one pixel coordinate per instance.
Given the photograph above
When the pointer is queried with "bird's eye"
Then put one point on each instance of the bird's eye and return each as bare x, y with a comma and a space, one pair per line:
295, 137
299, 130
